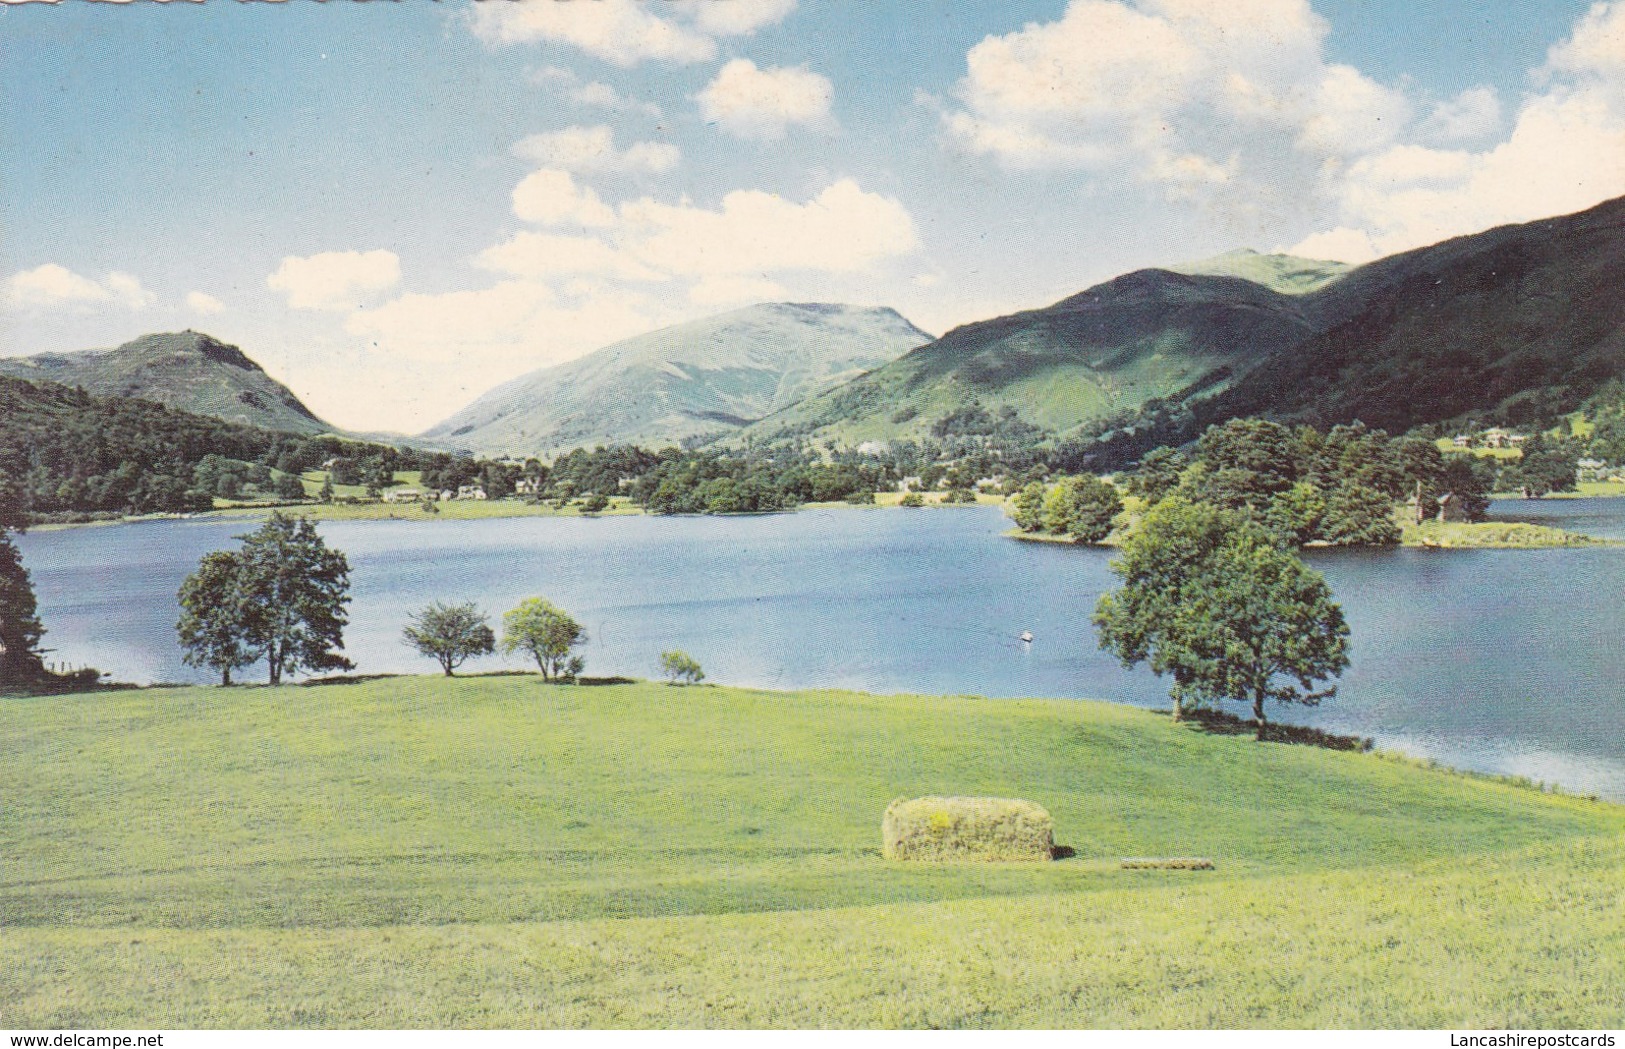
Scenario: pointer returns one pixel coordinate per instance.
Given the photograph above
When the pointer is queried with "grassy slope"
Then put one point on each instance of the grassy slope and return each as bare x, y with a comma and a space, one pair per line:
499, 852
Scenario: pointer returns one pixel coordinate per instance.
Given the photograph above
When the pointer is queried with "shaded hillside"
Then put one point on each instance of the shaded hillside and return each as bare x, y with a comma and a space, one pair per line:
187, 370
1516, 324
1153, 334
705, 377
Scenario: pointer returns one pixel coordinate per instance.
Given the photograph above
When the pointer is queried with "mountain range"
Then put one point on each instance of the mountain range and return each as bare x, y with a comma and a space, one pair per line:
710, 376
1515, 324
1519, 322
188, 371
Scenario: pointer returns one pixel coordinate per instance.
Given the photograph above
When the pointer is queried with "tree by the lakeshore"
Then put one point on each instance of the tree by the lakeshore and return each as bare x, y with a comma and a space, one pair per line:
1208, 598
547, 634
20, 629
1027, 508
280, 598
1083, 508
678, 665
450, 634
213, 615
1547, 466
296, 590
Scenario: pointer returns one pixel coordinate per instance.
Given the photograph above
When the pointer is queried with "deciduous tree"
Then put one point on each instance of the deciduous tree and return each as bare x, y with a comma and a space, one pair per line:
450, 633
547, 634
1208, 598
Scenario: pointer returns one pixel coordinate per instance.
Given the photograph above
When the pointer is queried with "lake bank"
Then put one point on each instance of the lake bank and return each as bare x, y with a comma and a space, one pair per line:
369, 854
1502, 661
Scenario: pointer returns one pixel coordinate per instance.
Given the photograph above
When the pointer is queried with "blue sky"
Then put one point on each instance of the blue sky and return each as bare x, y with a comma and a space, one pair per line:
396, 206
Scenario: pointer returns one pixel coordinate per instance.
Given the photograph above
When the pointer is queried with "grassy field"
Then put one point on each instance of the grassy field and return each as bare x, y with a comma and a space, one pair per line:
502, 852
1503, 535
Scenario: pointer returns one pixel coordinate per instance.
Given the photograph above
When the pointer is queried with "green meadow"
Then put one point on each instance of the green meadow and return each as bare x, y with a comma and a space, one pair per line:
499, 852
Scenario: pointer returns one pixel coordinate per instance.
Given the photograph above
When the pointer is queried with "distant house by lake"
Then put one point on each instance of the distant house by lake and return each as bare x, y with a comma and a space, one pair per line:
526, 486
1495, 437
406, 495
470, 491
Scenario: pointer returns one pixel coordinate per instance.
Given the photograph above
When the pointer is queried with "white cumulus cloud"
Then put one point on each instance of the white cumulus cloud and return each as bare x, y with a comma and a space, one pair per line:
735, 17
1232, 100
764, 103
1564, 153
627, 32
335, 280
592, 150
843, 229
204, 304
623, 32
551, 197
53, 286
544, 255
1471, 115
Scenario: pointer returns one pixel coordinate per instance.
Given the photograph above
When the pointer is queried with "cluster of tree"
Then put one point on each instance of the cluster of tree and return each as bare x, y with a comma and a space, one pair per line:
1606, 410
1339, 488
1546, 465
1210, 597
76, 454
280, 598
452, 634
1084, 508
677, 481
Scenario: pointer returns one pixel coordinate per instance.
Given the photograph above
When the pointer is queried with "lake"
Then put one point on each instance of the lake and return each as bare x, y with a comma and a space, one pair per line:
1502, 661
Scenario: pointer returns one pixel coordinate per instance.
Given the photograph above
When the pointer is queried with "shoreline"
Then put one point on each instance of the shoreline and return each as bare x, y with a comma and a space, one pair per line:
1485, 535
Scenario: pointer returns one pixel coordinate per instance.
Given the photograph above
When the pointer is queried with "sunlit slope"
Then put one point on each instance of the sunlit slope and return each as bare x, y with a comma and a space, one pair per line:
1150, 334
501, 852
708, 376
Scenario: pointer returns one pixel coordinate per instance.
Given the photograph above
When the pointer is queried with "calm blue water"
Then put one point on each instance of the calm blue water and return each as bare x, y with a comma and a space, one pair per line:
1505, 661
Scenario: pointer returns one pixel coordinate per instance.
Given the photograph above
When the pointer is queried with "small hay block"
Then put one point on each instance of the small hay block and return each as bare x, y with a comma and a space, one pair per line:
1175, 863
999, 829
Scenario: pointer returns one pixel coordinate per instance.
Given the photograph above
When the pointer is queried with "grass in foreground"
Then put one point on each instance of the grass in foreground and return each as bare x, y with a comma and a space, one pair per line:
500, 852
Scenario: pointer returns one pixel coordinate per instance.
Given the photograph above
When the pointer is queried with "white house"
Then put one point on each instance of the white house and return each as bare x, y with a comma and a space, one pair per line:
403, 495
470, 491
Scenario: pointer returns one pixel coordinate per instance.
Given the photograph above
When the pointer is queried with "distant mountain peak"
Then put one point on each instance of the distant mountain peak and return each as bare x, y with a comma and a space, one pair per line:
188, 370
689, 380
1287, 274
197, 343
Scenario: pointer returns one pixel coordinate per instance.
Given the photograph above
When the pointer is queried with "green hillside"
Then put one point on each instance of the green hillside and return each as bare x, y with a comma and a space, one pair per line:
497, 852
705, 377
1517, 325
1107, 350
188, 371
1286, 274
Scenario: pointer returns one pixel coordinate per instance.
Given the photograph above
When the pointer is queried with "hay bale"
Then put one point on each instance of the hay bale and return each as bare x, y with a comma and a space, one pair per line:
1173, 863
1000, 829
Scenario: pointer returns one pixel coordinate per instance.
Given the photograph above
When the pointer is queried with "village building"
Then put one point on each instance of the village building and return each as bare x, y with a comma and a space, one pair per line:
404, 495
470, 491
